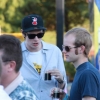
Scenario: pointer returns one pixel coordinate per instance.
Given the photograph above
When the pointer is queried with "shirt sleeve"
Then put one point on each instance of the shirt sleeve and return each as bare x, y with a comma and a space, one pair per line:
88, 84
66, 97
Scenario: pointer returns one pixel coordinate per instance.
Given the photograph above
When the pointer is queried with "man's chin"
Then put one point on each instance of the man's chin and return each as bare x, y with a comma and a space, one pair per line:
68, 60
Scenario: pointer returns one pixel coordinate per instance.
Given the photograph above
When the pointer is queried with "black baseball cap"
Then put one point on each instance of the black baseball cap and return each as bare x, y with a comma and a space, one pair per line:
32, 22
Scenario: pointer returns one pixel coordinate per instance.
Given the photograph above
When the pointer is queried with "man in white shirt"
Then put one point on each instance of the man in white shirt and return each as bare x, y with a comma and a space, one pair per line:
39, 58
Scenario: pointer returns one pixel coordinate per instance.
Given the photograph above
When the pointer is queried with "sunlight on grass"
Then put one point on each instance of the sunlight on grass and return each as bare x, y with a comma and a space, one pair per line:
50, 37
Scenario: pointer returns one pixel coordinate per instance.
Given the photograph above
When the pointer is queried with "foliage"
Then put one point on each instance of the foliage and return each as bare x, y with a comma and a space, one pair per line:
12, 12
76, 13
70, 70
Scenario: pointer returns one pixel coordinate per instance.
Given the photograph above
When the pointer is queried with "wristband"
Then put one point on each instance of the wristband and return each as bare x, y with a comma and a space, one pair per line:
61, 81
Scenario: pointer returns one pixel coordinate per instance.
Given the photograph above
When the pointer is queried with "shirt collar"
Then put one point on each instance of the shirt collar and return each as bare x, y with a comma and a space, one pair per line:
13, 85
82, 66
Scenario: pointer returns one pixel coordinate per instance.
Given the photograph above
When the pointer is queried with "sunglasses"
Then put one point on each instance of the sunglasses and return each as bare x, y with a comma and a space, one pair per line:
32, 36
67, 48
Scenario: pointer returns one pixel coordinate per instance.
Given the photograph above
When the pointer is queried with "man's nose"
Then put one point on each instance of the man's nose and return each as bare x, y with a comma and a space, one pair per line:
36, 37
63, 51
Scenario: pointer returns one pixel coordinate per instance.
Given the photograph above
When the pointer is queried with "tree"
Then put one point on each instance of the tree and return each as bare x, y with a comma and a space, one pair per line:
12, 12
76, 13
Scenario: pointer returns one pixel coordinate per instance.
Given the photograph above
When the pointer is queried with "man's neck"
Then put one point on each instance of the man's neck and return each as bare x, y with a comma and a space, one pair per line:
5, 82
31, 49
80, 61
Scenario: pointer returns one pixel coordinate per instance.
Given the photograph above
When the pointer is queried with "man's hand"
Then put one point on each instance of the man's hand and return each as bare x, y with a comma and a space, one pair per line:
62, 93
58, 76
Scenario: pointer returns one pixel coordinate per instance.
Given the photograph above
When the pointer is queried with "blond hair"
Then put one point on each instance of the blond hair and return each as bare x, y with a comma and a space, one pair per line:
83, 37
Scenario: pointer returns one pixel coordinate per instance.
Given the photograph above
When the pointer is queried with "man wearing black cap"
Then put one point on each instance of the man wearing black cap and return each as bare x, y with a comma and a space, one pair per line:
39, 58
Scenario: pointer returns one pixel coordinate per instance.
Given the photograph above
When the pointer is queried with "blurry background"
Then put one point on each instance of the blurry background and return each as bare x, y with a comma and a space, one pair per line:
82, 13
12, 12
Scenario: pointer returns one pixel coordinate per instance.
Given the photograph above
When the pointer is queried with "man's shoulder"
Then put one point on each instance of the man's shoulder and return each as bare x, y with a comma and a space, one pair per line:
90, 69
23, 90
25, 86
23, 47
90, 74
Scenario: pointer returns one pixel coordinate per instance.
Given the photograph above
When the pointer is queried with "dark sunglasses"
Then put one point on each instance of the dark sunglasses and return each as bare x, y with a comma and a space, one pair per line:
32, 36
67, 48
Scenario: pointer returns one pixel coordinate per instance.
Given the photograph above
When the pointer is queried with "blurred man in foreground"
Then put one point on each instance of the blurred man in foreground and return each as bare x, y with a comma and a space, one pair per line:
3, 94
11, 60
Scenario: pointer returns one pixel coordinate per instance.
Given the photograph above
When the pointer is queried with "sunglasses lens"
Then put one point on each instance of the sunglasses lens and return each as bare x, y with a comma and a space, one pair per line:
67, 48
40, 35
32, 36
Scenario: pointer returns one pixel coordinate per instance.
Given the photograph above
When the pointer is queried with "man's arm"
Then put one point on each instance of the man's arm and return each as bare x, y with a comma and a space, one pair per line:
88, 98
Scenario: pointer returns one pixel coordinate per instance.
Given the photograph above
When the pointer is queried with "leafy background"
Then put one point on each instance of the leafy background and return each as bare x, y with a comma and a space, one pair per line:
12, 12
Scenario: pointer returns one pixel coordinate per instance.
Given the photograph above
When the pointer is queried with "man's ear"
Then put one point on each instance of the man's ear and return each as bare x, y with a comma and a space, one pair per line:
82, 49
12, 66
22, 33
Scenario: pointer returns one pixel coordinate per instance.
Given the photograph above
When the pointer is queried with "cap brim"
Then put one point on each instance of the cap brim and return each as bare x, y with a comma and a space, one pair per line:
33, 29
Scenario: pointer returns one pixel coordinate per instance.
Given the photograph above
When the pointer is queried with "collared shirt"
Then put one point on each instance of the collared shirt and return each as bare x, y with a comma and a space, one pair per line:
52, 59
19, 89
3, 94
66, 97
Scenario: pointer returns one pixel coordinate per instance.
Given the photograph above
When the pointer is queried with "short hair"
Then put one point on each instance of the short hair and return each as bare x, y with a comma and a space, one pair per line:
83, 37
11, 48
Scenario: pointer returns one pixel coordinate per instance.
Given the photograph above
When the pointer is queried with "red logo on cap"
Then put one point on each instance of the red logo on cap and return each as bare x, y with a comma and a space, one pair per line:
34, 21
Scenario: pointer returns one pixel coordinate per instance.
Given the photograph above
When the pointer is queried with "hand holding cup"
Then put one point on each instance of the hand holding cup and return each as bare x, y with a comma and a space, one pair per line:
57, 93
47, 76
57, 74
